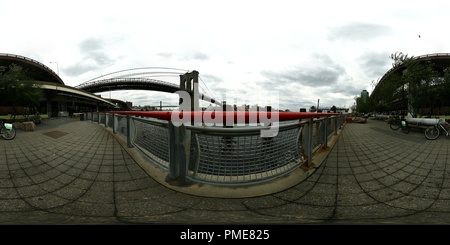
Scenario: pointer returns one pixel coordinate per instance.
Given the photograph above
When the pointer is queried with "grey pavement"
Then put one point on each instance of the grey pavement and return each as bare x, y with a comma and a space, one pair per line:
76, 172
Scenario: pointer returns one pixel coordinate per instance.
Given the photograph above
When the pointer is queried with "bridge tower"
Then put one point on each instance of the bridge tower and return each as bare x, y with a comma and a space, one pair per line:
189, 83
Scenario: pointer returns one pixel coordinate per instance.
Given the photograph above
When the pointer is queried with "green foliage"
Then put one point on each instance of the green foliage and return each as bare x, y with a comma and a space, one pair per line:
398, 58
416, 85
421, 79
390, 95
17, 88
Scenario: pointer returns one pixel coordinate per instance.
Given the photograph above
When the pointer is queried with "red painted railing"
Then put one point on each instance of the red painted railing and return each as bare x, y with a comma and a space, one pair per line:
237, 116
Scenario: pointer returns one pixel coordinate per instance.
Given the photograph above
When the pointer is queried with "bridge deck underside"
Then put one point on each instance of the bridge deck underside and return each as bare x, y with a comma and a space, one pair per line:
131, 86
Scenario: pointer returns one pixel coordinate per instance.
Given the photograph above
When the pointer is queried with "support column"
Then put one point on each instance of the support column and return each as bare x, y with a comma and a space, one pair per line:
189, 83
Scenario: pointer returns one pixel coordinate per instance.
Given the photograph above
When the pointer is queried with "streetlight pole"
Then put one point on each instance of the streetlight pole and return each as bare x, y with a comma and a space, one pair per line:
57, 67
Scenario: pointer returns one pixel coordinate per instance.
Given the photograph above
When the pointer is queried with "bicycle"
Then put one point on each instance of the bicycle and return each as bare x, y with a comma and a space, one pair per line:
397, 123
432, 132
7, 131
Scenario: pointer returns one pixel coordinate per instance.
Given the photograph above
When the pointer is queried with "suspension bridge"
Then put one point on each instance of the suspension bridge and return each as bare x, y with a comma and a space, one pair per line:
160, 79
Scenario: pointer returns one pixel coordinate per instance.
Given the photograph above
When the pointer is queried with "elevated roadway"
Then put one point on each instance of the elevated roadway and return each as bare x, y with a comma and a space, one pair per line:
139, 79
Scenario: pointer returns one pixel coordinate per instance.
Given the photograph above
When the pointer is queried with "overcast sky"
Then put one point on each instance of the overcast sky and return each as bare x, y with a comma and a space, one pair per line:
300, 50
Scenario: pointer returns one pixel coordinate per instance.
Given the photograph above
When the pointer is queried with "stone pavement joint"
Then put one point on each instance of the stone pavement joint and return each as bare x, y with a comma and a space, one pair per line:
372, 175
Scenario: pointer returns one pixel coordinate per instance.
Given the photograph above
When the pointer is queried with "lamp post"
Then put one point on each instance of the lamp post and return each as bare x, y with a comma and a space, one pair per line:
57, 67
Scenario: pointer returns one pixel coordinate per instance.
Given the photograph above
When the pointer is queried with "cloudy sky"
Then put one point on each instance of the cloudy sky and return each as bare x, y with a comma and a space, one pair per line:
300, 51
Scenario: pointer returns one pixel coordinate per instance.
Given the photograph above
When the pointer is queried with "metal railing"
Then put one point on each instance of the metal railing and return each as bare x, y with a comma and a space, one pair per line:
220, 155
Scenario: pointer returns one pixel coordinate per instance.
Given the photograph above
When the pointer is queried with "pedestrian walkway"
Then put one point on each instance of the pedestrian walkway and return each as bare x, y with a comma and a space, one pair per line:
76, 172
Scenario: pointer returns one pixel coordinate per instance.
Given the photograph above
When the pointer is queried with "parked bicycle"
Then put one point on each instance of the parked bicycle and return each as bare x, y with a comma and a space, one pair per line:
7, 131
432, 132
397, 123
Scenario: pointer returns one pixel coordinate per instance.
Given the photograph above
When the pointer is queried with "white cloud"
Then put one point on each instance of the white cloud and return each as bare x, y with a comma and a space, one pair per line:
327, 50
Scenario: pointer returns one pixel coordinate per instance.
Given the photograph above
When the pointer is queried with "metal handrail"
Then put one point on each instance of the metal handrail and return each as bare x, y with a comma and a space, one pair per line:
212, 154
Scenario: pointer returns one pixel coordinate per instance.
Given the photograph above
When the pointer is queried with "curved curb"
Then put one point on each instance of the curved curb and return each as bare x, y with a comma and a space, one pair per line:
251, 190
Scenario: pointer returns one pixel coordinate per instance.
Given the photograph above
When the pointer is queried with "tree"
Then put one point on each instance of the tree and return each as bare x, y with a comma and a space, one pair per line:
333, 109
420, 78
391, 95
412, 88
443, 87
17, 88
398, 58
361, 105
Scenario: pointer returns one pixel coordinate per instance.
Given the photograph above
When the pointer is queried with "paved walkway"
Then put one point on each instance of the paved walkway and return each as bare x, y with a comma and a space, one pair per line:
76, 172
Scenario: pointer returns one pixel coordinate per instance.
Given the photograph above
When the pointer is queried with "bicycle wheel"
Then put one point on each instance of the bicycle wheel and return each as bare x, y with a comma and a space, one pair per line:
432, 132
394, 125
405, 129
8, 134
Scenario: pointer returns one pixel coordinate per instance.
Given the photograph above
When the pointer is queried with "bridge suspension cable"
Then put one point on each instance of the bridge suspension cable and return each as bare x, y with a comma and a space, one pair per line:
143, 75
209, 91
128, 72
142, 72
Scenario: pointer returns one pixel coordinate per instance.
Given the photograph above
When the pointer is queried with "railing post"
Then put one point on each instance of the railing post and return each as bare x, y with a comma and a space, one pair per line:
336, 125
307, 143
114, 123
129, 141
179, 153
173, 151
106, 120
325, 133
